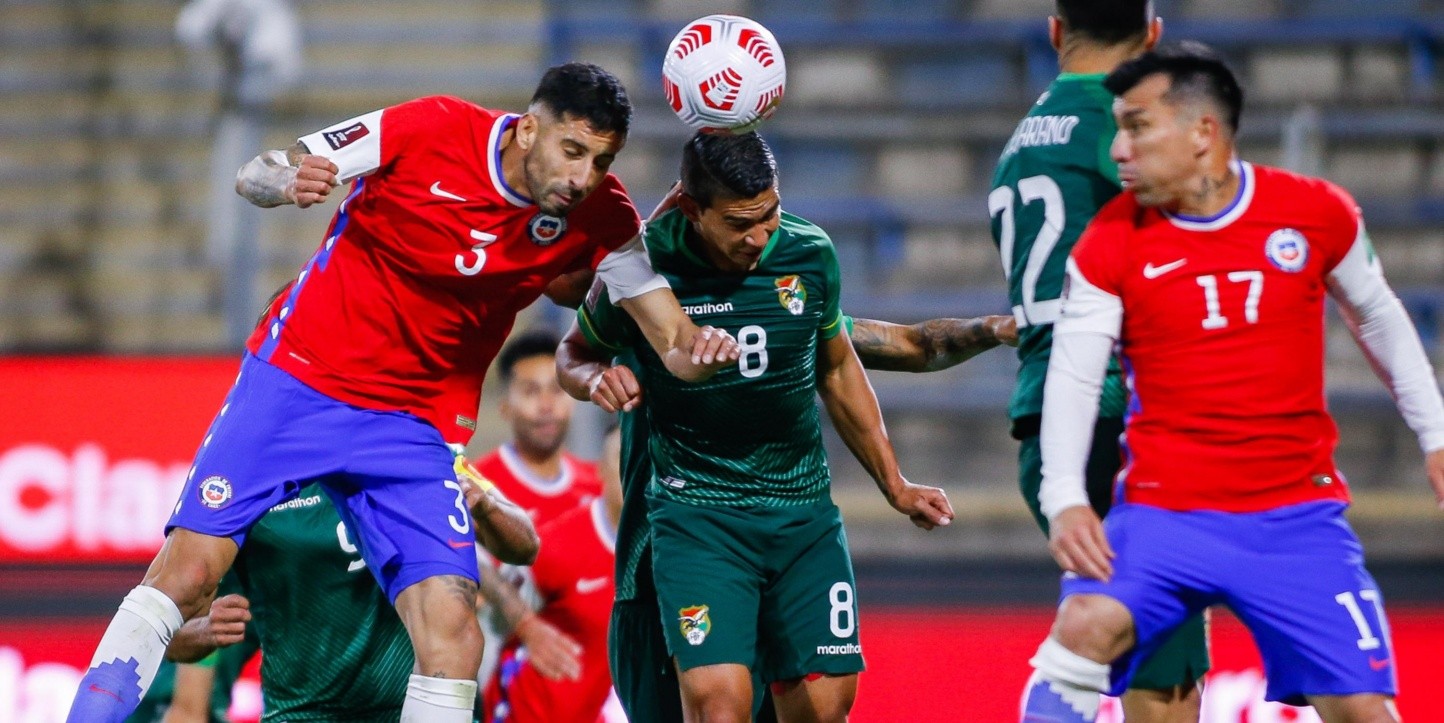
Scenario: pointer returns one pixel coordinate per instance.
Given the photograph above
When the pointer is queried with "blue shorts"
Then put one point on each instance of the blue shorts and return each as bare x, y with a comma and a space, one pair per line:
1295, 576
389, 474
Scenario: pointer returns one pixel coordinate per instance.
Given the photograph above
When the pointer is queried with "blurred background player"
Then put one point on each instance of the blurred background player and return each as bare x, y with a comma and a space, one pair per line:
572, 586
1054, 175
332, 647
1209, 274
365, 346
534, 470
198, 692
738, 459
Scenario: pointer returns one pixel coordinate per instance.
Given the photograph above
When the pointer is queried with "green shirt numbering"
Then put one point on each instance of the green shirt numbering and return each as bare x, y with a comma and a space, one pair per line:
751, 434
1053, 177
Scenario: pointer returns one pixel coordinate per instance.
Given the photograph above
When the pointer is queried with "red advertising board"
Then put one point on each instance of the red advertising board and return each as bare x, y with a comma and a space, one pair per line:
94, 451
924, 666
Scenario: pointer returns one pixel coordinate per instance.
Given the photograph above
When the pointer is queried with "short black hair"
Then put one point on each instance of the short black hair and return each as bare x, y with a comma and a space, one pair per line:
1107, 22
739, 165
586, 91
529, 343
1194, 70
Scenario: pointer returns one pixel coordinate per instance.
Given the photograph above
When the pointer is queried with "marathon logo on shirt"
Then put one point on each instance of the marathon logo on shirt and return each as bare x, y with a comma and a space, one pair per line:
1042, 130
546, 230
298, 503
346, 136
844, 649
706, 307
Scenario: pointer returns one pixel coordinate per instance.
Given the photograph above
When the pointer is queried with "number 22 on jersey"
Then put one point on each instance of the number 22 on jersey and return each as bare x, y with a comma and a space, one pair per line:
1001, 203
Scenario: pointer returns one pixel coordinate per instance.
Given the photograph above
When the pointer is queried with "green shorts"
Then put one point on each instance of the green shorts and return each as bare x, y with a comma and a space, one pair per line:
770, 588
1184, 658
642, 671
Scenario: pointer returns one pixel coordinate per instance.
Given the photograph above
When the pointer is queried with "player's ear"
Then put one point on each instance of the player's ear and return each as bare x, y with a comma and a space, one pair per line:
1155, 33
1207, 133
1055, 32
526, 130
689, 207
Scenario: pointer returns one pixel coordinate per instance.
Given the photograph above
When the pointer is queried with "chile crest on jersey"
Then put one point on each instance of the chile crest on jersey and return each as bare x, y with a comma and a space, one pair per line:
1287, 250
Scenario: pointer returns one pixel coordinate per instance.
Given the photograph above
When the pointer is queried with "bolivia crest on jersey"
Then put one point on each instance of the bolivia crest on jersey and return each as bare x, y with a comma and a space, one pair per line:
695, 623
545, 230
215, 492
1287, 249
791, 293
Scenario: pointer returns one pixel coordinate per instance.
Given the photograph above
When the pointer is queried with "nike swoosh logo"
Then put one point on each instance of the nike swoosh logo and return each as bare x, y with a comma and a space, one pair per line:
97, 689
459, 544
436, 190
591, 584
1378, 664
1152, 272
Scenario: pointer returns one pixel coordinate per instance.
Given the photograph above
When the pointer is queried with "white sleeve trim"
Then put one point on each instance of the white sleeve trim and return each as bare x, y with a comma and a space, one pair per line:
1386, 334
1087, 308
628, 273
1083, 341
353, 145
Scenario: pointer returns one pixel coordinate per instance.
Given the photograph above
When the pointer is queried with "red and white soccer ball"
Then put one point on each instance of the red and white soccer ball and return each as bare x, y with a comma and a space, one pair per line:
724, 73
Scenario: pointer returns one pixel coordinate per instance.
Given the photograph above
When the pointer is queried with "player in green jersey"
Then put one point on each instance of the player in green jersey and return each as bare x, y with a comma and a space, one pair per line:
197, 692
333, 648
1054, 175
750, 562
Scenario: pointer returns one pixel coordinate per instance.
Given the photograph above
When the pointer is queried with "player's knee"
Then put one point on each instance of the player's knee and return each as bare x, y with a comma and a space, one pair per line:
1094, 626
721, 709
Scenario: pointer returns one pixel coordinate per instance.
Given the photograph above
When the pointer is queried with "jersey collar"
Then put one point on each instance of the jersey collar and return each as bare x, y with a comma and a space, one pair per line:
493, 152
605, 532
1228, 215
523, 473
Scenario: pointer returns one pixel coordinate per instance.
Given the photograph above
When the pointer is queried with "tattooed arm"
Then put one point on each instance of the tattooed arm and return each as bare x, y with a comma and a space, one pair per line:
276, 178
931, 345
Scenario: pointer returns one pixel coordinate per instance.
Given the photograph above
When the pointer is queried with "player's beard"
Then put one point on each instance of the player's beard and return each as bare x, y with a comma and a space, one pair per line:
538, 443
543, 196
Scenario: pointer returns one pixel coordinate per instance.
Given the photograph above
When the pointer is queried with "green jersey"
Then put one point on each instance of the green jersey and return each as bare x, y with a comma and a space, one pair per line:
750, 435
634, 531
332, 646
1054, 176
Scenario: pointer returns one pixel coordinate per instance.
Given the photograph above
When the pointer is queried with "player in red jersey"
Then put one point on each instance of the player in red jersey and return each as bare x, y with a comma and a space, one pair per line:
537, 474
1210, 274
370, 364
572, 585
533, 469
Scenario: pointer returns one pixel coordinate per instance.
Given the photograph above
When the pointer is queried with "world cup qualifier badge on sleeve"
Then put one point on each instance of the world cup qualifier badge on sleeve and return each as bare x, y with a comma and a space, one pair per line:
695, 622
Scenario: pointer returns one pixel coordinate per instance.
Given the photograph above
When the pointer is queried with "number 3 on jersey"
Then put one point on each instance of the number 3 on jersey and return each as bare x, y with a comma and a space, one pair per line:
1000, 203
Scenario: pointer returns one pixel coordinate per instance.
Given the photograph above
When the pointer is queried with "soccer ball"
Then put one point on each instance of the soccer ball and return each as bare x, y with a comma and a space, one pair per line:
724, 73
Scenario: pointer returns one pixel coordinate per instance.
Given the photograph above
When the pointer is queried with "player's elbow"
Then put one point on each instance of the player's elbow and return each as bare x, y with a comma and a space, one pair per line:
525, 550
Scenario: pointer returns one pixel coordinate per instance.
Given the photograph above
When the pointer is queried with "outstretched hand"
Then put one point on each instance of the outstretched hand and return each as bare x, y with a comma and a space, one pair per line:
927, 507
554, 655
1079, 545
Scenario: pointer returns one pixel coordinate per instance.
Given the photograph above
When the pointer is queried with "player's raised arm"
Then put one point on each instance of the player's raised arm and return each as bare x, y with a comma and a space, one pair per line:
1384, 331
690, 352
1082, 345
852, 405
502, 528
931, 345
292, 176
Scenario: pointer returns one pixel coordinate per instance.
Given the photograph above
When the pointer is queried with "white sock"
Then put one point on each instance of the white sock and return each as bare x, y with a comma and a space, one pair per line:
1075, 679
140, 631
438, 700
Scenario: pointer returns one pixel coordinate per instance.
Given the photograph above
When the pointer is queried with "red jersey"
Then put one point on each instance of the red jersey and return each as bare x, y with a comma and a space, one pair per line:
543, 500
1222, 342
574, 576
426, 263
